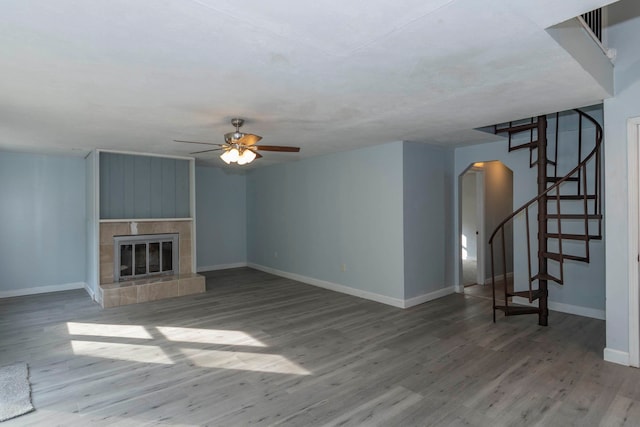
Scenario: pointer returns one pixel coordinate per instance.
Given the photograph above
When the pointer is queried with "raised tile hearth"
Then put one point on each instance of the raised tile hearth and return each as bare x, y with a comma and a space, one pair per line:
151, 289
113, 293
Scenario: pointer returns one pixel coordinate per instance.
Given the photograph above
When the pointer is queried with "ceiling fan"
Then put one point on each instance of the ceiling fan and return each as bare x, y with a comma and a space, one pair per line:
240, 147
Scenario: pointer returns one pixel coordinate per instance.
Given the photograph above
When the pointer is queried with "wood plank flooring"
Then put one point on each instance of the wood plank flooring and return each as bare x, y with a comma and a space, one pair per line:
257, 349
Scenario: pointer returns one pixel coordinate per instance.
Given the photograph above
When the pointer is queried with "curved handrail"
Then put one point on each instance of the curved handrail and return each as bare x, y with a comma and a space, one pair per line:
559, 182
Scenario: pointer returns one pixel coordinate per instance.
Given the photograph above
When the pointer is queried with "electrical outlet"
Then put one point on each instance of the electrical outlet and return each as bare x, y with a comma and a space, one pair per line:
343, 267
275, 254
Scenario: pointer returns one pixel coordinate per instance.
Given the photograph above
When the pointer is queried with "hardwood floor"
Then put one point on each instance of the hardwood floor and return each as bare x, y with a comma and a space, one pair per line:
257, 349
486, 291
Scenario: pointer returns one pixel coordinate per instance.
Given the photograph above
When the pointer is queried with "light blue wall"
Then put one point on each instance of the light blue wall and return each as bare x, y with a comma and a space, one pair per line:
42, 220
584, 283
136, 186
623, 35
312, 216
221, 217
425, 211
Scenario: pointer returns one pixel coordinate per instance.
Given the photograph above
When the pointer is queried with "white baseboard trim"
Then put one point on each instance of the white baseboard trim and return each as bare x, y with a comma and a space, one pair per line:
42, 289
499, 277
421, 299
566, 308
395, 302
616, 356
220, 266
90, 291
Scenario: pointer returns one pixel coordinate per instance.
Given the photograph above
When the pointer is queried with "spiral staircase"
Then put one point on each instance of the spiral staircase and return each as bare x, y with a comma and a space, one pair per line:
559, 224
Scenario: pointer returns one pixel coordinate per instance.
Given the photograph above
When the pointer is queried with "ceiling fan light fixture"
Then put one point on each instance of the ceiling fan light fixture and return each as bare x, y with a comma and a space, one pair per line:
234, 155
230, 156
249, 155
242, 157
241, 147
226, 157
246, 157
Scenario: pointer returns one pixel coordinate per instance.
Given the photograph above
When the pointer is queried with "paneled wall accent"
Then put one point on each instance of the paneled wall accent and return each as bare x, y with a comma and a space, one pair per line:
136, 187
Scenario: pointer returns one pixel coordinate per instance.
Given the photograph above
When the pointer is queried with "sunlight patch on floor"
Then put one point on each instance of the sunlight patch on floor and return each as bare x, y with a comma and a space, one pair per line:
209, 336
243, 361
128, 352
105, 330
182, 337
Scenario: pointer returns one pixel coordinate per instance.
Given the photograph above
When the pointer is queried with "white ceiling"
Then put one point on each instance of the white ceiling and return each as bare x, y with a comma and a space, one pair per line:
326, 76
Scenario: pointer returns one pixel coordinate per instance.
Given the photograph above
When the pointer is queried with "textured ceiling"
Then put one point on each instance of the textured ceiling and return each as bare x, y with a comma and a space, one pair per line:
327, 76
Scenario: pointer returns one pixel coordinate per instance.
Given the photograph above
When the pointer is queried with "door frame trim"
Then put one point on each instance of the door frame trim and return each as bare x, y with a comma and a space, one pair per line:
458, 264
480, 250
633, 186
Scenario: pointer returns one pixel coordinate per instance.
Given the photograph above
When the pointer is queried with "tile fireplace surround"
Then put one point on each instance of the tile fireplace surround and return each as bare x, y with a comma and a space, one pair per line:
148, 288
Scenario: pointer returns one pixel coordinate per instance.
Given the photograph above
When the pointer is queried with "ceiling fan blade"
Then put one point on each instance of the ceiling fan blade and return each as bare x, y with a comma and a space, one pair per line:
207, 151
197, 142
258, 155
277, 148
249, 139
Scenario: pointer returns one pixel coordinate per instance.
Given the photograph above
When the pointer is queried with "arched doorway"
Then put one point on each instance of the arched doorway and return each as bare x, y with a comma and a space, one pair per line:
486, 198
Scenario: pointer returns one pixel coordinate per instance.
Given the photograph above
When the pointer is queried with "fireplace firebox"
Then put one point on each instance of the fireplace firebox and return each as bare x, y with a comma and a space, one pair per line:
145, 255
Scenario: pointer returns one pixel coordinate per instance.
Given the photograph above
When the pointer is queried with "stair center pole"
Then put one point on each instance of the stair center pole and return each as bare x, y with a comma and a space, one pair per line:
542, 220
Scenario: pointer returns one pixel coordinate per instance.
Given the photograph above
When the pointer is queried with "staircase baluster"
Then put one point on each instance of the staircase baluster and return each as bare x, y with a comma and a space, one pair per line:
493, 280
586, 213
579, 148
599, 184
531, 163
504, 268
558, 209
555, 160
526, 214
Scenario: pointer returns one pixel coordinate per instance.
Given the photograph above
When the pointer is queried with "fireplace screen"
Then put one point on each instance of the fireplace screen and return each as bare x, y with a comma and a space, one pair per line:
145, 255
